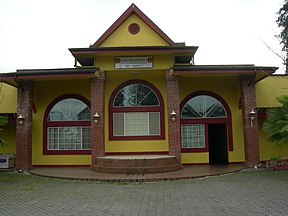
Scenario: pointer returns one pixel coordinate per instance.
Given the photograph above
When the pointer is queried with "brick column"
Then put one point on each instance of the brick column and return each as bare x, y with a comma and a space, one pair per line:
24, 131
248, 102
97, 105
173, 103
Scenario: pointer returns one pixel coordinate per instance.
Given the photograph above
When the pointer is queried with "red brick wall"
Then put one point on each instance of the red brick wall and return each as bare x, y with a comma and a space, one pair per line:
97, 105
24, 132
248, 102
173, 102
136, 166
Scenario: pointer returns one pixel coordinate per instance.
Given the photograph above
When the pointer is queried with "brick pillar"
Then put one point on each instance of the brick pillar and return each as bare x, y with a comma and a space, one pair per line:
24, 131
97, 105
173, 103
248, 102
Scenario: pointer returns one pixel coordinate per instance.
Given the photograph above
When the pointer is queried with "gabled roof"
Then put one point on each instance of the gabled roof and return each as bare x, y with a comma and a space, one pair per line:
132, 9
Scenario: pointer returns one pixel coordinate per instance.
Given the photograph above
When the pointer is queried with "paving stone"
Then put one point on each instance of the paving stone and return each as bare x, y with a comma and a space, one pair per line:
244, 193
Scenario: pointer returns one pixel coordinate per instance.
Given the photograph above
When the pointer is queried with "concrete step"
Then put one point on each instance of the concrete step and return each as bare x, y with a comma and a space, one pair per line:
136, 164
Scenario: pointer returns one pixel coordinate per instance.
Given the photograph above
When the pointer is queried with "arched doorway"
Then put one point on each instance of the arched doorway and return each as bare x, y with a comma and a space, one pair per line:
206, 126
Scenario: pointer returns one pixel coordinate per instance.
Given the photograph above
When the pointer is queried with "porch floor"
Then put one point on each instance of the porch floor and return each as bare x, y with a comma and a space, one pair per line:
85, 173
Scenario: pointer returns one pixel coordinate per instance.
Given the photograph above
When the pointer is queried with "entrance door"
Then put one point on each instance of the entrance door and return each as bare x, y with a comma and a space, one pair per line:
217, 138
206, 126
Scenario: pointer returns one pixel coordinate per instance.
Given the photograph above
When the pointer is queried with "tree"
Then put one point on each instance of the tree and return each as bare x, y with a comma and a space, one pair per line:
3, 121
276, 124
282, 22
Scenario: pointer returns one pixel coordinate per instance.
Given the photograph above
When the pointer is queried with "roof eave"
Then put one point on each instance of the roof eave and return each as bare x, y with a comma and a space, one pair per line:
31, 74
236, 70
135, 49
223, 68
25, 72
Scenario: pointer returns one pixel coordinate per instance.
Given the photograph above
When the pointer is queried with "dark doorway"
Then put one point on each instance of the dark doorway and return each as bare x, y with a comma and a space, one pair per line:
217, 137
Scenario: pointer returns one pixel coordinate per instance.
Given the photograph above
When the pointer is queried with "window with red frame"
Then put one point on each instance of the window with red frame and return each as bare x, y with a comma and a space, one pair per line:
196, 114
136, 112
67, 126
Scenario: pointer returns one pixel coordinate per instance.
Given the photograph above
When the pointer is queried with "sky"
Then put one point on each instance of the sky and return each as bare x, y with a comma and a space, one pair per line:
36, 34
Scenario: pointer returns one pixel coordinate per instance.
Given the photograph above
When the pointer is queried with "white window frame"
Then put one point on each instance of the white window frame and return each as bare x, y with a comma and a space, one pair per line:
193, 136
148, 124
58, 139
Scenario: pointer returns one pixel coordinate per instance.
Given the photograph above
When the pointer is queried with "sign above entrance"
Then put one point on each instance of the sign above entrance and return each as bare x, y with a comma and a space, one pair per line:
134, 62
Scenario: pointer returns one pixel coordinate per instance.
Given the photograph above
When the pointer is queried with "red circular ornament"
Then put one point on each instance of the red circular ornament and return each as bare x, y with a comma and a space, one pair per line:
134, 28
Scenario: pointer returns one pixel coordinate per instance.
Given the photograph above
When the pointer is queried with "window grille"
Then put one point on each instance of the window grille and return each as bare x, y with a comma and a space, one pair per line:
193, 135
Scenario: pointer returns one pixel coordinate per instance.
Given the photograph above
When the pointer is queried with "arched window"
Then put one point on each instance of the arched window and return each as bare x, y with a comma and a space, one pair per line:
198, 111
136, 112
203, 106
67, 126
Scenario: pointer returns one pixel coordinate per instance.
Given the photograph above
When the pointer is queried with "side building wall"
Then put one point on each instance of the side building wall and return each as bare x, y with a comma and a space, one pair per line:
8, 104
266, 92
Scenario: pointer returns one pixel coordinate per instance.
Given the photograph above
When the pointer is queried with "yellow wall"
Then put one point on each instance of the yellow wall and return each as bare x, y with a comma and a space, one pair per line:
113, 80
122, 37
8, 134
195, 158
268, 149
47, 91
228, 89
268, 89
44, 93
8, 98
266, 92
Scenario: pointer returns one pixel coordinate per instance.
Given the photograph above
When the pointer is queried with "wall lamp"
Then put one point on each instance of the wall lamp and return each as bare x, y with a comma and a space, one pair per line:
252, 116
173, 115
96, 118
20, 119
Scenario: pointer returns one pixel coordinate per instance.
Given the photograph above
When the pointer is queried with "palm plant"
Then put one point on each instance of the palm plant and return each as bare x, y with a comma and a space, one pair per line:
3, 121
276, 124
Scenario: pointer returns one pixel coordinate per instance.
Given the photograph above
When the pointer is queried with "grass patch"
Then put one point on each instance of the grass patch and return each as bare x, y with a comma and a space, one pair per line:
23, 182
15, 177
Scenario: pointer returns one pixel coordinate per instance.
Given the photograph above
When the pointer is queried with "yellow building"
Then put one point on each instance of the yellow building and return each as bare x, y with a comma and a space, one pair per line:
136, 92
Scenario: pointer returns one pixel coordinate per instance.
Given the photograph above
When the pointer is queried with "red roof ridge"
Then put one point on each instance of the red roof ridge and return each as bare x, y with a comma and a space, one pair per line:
132, 9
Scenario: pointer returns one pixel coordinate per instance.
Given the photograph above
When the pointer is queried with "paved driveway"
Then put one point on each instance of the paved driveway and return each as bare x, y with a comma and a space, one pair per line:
243, 193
